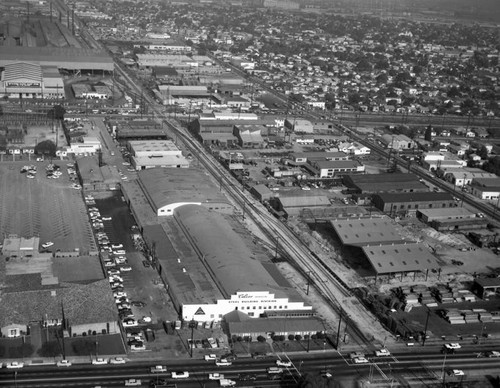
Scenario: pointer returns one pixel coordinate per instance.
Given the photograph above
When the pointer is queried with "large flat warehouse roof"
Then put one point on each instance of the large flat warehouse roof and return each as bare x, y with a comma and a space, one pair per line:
405, 257
363, 231
165, 186
69, 58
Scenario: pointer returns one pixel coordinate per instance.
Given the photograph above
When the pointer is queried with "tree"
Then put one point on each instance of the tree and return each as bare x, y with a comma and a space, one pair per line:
330, 100
46, 147
483, 153
261, 338
428, 133
50, 349
24, 350
83, 347
354, 98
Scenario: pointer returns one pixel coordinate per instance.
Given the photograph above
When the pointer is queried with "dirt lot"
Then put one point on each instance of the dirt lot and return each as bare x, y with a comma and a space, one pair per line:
48, 208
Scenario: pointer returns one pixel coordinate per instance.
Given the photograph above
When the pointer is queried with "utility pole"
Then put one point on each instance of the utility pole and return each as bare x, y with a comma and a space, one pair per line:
338, 332
276, 250
426, 323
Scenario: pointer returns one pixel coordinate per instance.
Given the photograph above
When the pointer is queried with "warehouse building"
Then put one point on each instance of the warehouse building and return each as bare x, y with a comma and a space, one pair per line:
94, 177
243, 274
464, 176
486, 188
63, 58
294, 205
450, 219
303, 157
379, 242
31, 80
209, 263
172, 93
167, 189
156, 153
333, 168
402, 204
386, 182
136, 129
249, 136
398, 142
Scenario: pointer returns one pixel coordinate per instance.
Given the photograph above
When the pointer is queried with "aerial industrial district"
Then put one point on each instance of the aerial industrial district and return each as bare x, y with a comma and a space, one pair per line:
171, 218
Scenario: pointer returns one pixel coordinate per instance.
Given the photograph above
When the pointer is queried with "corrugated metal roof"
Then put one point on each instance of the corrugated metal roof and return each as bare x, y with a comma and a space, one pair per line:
70, 58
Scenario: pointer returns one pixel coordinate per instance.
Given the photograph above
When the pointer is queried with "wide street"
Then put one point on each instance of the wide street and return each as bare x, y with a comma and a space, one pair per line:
424, 365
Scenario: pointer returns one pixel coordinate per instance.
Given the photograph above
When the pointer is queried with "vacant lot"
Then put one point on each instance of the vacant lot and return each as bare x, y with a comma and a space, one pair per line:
48, 208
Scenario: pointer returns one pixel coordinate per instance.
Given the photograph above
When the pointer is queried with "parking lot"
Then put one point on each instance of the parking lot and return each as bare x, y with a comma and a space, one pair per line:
40, 206
145, 303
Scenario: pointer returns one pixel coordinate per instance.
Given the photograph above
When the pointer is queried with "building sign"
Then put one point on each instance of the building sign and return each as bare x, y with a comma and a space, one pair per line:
23, 84
199, 312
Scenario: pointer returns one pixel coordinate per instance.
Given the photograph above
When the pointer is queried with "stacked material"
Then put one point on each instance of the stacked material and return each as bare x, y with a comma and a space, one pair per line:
495, 316
412, 299
426, 298
467, 296
443, 294
470, 316
454, 317
485, 316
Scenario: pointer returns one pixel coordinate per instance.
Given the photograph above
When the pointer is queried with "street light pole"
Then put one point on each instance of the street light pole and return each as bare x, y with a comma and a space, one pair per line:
444, 363
426, 323
192, 325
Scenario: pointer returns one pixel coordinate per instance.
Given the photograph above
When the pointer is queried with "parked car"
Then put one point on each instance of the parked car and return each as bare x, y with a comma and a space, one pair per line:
132, 382
210, 357
63, 363
223, 362
99, 361
158, 369
286, 364
382, 352
129, 322
247, 377
48, 244
117, 360
14, 365
215, 376
180, 375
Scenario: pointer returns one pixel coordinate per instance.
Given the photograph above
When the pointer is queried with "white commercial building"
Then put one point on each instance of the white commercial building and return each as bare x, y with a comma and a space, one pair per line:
30, 80
156, 153
90, 146
252, 303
